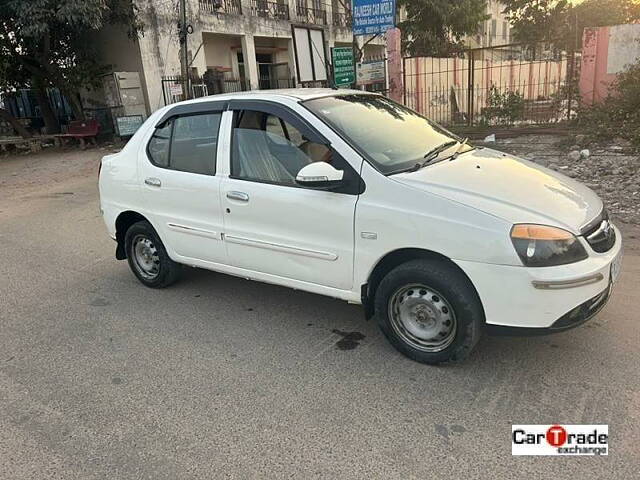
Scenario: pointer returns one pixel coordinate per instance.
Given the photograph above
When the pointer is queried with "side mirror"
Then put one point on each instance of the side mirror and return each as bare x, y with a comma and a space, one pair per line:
319, 175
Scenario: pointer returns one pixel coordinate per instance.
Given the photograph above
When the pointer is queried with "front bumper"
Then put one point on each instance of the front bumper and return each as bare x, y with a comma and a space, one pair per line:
515, 303
574, 318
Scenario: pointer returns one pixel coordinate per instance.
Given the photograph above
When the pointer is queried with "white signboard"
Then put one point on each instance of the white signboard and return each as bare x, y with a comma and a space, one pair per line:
318, 53
175, 89
370, 72
311, 61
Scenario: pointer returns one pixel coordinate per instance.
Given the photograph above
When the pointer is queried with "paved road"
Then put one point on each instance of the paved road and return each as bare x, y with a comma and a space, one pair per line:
222, 377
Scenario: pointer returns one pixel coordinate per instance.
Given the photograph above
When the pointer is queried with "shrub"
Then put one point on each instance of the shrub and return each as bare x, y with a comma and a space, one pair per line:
503, 107
619, 114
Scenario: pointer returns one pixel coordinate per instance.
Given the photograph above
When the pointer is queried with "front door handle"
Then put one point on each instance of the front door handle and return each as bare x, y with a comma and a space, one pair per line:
153, 182
239, 196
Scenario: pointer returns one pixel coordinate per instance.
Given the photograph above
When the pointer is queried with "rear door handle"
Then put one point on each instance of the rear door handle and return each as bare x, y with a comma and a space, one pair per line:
239, 196
153, 182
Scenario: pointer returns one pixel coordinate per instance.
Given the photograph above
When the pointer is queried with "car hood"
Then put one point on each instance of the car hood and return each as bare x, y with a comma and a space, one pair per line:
510, 188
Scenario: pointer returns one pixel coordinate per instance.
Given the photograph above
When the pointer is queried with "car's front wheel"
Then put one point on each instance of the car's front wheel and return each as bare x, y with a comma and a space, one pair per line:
429, 311
148, 259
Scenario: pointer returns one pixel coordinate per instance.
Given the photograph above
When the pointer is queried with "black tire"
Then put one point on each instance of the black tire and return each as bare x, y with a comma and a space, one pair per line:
163, 271
441, 280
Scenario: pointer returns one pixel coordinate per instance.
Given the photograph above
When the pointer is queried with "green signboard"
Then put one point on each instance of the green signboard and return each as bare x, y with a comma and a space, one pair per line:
344, 69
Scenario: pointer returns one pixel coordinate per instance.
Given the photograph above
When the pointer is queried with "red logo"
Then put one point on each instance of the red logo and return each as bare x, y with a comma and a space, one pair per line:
556, 436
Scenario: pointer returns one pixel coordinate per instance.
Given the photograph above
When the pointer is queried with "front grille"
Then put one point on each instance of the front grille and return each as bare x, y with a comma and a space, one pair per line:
600, 234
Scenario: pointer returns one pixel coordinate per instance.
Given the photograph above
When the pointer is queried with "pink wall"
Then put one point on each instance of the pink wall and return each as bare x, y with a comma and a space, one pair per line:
594, 80
394, 62
606, 51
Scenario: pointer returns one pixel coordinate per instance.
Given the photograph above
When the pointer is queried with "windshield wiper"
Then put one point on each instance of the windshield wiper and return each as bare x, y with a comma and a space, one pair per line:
433, 153
458, 150
428, 157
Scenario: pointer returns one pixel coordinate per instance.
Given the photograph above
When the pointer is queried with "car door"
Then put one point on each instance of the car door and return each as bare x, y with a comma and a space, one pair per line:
182, 190
272, 225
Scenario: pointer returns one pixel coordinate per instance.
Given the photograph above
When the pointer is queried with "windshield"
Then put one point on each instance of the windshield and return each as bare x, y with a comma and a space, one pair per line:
391, 136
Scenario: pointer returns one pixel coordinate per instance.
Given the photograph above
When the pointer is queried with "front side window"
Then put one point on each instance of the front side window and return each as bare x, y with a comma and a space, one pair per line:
187, 144
391, 136
268, 149
284, 129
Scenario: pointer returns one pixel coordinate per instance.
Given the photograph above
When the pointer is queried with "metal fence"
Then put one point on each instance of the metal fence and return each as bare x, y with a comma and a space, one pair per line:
269, 83
173, 87
503, 85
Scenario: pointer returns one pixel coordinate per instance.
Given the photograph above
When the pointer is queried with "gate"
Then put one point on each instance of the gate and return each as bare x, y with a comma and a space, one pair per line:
210, 83
504, 85
275, 75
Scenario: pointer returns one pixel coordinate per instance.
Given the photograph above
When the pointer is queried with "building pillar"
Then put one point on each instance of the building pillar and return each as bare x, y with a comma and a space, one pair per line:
292, 62
249, 57
198, 61
394, 64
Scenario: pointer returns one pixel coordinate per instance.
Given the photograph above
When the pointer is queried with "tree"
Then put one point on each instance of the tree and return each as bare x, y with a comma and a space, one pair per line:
52, 43
437, 27
561, 23
536, 21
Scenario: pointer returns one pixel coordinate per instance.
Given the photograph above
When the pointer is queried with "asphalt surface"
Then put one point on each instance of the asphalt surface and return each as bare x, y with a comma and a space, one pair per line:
221, 377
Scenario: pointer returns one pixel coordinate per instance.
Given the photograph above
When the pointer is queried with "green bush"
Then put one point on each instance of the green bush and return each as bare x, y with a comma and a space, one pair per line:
619, 114
503, 107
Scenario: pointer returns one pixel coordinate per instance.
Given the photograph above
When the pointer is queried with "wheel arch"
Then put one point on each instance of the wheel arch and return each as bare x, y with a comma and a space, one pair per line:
395, 258
123, 222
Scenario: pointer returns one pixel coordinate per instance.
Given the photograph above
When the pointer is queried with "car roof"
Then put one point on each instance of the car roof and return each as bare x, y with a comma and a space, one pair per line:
300, 94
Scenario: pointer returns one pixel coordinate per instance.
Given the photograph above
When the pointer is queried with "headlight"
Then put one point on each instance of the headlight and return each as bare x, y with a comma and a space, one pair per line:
544, 246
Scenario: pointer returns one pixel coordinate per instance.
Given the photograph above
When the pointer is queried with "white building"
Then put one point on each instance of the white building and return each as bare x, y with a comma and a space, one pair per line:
241, 44
494, 31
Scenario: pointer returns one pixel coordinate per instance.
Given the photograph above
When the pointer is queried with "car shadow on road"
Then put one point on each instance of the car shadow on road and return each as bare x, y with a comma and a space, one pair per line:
295, 313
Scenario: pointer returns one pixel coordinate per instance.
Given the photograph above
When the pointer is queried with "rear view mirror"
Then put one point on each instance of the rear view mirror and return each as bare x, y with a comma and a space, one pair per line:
319, 175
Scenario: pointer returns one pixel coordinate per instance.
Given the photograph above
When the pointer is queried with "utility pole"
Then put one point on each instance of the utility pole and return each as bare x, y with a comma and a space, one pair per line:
184, 56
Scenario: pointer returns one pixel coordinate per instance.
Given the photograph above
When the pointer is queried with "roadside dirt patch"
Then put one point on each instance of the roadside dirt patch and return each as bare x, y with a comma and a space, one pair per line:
22, 174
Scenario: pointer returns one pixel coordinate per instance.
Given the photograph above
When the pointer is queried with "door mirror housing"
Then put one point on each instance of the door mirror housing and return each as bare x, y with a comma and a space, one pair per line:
319, 175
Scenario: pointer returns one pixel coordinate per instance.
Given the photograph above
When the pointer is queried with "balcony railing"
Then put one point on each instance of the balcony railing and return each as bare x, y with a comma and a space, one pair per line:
342, 19
315, 16
270, 9
221, 6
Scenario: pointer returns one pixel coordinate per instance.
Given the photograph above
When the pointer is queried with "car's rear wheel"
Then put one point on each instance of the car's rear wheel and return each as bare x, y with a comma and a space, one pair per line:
148, 259
429, 311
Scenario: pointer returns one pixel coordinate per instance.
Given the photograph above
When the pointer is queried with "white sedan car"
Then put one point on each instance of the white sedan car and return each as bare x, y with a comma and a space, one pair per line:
348, 194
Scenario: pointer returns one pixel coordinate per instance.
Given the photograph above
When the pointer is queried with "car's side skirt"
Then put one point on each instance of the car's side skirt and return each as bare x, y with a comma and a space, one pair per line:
348, 295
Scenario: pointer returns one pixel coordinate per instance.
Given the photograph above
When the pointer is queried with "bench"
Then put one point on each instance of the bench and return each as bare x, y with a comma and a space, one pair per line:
80, 130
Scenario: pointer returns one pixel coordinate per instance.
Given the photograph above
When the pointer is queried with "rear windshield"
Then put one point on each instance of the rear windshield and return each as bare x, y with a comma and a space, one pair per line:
391, 136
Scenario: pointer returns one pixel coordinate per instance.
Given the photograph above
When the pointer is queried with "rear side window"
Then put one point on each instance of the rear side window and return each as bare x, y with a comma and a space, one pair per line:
187, 144
159, 145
